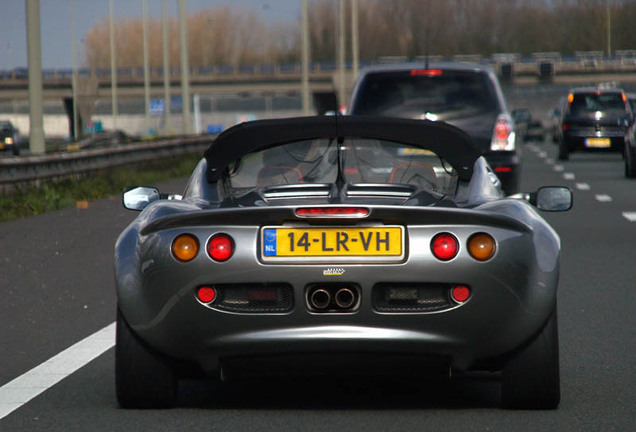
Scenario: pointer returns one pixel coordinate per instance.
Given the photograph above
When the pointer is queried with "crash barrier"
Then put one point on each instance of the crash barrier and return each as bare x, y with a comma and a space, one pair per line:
16, 170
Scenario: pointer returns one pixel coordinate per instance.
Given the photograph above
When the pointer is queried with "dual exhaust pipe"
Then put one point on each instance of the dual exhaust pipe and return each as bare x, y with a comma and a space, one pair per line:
332, 299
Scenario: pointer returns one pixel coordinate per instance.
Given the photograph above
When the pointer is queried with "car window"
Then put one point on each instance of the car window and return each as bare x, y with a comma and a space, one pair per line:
424, 94
360, 161
301, 162
593, 102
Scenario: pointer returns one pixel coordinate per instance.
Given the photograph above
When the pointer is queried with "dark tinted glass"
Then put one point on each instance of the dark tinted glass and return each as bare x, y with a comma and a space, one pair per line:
422, 95
592, 102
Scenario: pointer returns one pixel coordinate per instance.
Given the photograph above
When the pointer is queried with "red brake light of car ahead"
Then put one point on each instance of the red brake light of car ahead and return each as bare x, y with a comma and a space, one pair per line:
502, 169
503, 137
206, 294
332, 212
444, 246
426, 72
221, 247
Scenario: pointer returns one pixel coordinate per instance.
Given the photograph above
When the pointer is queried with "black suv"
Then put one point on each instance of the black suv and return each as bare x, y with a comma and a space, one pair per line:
466, 96
593, 119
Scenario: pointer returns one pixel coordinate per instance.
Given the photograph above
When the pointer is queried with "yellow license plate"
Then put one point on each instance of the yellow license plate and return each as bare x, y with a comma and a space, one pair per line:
385, 241
598, 142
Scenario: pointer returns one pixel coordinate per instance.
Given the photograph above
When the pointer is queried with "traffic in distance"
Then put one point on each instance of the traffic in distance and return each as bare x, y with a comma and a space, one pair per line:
391, 185
9, 138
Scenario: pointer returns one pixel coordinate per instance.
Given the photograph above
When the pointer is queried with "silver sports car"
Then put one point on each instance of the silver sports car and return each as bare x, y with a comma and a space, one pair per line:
335, 244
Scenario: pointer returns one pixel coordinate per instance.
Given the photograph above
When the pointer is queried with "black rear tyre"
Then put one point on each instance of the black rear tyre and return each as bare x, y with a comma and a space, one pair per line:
630, 163
564, 152
530, 378
143, 378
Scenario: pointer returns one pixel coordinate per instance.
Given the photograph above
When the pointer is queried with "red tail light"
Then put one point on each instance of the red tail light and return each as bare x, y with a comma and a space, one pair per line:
502, 169
221, 247
444, 246
332, 212
426, 72
503, 137
206, 294
460, 293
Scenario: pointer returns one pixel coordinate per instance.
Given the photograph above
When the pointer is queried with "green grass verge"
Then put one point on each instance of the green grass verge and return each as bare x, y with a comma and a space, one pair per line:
29, 200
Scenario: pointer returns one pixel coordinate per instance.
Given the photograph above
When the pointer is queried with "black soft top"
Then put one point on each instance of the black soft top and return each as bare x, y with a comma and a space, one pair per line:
445, 140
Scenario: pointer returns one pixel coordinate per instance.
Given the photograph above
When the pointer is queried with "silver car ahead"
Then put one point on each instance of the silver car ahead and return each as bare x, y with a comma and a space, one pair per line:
357, 240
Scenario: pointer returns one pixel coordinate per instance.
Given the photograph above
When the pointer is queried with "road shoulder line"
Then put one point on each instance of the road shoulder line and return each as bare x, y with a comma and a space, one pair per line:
22, 389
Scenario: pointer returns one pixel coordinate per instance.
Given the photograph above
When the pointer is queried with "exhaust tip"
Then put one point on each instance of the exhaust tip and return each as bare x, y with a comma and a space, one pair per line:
345, 298
320, 299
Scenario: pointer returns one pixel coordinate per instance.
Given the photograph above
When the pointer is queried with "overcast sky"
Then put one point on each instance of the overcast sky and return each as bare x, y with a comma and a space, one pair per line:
55, 17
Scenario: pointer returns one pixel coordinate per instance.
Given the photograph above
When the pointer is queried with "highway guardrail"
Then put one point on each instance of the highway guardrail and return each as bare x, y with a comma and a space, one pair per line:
15, 170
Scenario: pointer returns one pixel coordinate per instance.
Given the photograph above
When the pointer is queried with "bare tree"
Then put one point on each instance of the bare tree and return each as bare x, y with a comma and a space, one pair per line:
410, 28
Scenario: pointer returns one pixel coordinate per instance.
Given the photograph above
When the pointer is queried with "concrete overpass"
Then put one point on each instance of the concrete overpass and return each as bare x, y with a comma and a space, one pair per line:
60, 87
95, 85
278, 79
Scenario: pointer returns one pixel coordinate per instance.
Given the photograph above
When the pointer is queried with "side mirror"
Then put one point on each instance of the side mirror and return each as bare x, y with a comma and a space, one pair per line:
138, 197
552, 198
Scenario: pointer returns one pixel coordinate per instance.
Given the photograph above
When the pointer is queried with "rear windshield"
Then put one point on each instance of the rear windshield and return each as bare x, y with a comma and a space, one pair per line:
593, 102
428, 94
355, 160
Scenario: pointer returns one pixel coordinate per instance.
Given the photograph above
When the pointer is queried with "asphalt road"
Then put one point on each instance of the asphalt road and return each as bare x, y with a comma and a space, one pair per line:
56, 282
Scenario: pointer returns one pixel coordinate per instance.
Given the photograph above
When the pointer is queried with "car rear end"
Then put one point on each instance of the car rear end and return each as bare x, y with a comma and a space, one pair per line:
465, 96
230, 287
595, 120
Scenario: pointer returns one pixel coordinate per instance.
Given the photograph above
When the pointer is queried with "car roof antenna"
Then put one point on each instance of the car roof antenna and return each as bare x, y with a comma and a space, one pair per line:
339, 140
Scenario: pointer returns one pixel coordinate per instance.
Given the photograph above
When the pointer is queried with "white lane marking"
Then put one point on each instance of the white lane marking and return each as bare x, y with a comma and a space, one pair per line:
542, 154
630, 216
569, 176
549, 161
18, 392
582, 186
558, 168
603, 198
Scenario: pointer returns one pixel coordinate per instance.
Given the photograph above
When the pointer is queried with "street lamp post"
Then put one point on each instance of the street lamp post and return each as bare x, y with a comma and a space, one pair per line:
355, 45
74, 76
113, 67
185, 68
341, 54
305, 57
609, 29
144, 7
166, 63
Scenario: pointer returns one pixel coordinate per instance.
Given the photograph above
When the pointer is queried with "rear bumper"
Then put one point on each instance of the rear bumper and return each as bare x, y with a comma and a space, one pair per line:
511, 299
577, 141
458, 337
512, 295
